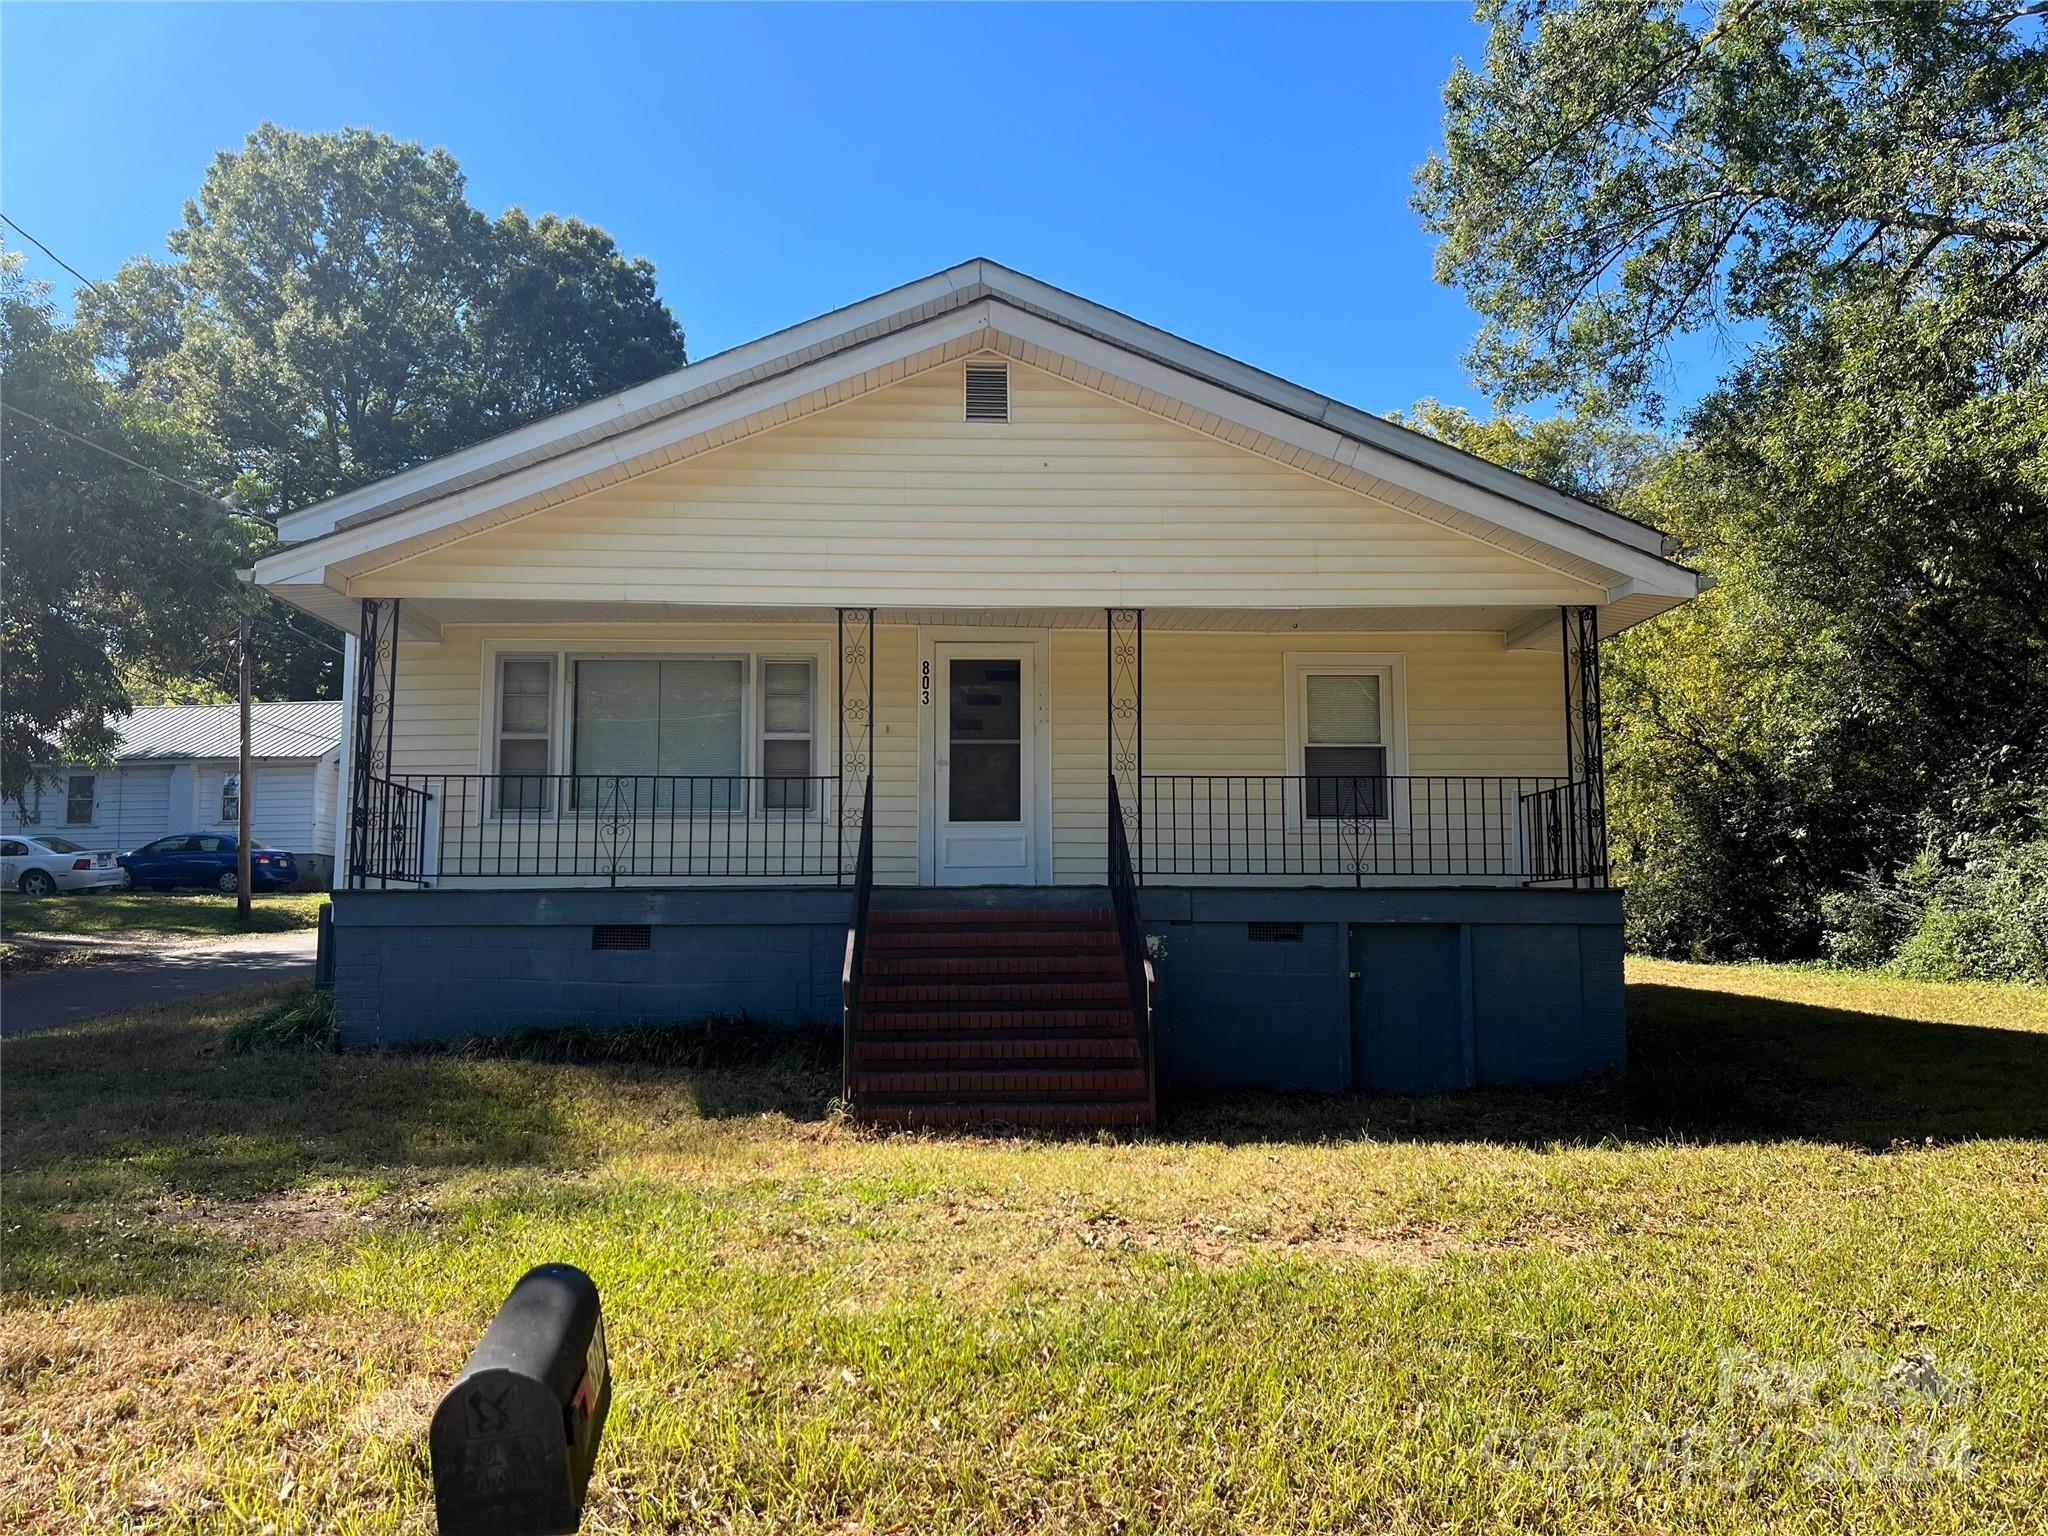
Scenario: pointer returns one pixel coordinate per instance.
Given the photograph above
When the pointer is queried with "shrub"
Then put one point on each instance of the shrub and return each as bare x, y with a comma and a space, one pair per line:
1986, 921
301, 1023
1968, 907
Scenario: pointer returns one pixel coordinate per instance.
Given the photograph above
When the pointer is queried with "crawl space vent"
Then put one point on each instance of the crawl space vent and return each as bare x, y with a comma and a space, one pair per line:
988, 392
621, 936
1273, 933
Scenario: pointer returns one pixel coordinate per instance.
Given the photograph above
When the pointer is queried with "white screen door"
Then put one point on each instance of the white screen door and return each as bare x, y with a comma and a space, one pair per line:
984, 791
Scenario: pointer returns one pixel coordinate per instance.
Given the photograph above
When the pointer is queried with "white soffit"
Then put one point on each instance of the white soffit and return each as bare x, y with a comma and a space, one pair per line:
1521, 627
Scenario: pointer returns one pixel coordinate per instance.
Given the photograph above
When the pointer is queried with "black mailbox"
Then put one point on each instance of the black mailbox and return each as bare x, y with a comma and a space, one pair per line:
514, 1440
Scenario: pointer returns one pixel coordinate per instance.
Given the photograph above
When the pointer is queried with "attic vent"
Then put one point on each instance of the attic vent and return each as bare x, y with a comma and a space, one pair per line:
621, 936
988, 392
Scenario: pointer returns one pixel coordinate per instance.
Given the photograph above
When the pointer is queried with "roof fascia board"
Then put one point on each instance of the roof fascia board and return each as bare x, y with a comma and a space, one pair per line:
322, 517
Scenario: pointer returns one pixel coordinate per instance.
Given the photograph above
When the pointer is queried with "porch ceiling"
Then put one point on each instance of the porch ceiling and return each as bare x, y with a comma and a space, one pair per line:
1524, 627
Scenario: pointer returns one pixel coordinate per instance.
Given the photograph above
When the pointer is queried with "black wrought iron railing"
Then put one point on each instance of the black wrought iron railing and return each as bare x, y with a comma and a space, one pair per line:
1354, 828
856, 942
1130, 929
608, 828
394, 832
1567, 835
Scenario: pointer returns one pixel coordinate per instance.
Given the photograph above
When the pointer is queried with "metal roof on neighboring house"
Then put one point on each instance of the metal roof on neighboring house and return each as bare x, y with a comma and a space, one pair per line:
307, 729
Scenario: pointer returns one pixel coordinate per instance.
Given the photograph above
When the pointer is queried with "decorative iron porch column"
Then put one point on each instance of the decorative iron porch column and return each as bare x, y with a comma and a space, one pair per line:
1585, 753
1126, 723
369, 758
856, 742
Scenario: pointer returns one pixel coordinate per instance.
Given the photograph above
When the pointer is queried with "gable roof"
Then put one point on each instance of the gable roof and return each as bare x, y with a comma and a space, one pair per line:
306, 730
976, 306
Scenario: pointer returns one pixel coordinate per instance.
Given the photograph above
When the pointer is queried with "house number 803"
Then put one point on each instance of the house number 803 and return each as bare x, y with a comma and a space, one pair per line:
924, 682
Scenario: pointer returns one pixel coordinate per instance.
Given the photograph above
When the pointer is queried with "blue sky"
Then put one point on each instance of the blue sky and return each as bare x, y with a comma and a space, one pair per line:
1237, 175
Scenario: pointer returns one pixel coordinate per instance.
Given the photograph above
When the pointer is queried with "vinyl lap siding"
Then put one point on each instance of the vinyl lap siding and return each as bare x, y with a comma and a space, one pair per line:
140, 803
282, 813
441, 721
131, 805
326, 787
1214, 703
894, 499
1217, 703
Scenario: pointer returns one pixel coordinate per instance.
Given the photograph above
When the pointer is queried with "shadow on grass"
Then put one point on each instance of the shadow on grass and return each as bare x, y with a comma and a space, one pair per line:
132, 1142
151, 1111
1703, 1066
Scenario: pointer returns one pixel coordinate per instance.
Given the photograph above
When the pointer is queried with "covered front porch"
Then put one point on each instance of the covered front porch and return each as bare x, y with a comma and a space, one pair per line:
1226, 747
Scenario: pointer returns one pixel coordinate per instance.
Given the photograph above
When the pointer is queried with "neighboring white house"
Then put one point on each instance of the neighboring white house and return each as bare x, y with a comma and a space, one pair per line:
175, 771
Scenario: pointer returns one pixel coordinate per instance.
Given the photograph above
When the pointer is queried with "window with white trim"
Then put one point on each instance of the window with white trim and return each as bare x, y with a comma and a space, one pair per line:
1344, 742
230, 796
525, 748
788, 732
710, 732
79, 792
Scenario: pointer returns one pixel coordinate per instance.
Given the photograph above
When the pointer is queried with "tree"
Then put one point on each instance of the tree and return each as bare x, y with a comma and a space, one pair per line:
1624, 173
109, 570
1863, 192
1869, 668
334, 310
1593, 455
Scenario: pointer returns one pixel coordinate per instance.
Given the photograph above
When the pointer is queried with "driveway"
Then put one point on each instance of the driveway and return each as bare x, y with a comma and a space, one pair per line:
172, 970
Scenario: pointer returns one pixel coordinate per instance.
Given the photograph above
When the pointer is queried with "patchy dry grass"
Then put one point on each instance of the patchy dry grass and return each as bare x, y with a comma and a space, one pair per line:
176, 914
235, 1283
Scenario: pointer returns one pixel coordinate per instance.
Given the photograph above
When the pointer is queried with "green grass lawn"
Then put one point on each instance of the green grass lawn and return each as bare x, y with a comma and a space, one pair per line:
193, 914
1790, 1275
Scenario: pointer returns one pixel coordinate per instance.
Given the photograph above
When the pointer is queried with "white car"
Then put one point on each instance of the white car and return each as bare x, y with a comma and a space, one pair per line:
41, 864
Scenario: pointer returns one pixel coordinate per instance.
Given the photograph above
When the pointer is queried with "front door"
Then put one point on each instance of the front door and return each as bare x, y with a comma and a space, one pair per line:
984, 789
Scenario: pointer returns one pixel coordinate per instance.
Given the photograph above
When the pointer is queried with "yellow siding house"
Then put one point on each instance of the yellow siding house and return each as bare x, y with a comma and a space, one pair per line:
1058, 707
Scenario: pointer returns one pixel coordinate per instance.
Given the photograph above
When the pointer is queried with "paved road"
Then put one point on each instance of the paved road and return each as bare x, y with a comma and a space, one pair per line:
43, 998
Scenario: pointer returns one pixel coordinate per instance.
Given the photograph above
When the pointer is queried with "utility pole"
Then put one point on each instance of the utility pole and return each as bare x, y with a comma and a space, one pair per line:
242, 788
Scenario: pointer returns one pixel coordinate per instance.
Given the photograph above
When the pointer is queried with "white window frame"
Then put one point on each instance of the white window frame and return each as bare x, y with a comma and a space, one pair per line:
750, 655
494, 692
759, 738
1391, 668
92, 804
230, 776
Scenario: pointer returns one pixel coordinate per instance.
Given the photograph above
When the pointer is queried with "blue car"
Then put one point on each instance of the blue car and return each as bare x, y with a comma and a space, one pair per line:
207, 859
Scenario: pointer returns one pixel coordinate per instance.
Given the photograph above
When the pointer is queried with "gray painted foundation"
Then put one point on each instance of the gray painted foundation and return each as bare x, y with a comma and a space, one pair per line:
1393, 989
1390, 990
441, 964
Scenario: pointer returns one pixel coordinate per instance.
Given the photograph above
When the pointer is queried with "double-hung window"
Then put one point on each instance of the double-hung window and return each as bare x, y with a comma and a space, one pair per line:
79, 791
788, 726
230, 796
1345, 728
526, 714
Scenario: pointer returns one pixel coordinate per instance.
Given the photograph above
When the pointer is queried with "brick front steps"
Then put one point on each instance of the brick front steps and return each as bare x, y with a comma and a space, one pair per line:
997, 1017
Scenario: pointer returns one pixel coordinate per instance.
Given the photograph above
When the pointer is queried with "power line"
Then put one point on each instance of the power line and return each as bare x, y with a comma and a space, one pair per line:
114, 297
237, 588
309, 639
184, 485
32, 240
